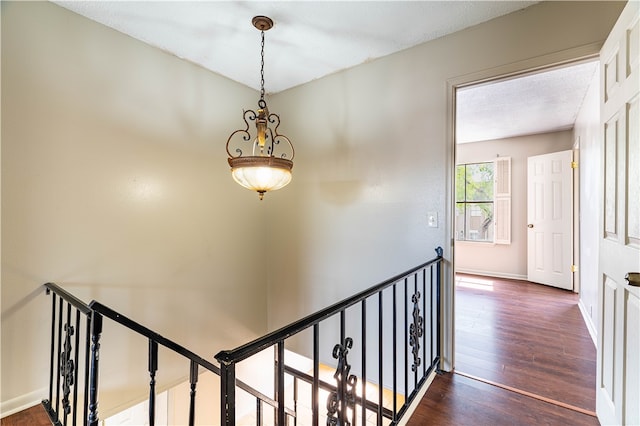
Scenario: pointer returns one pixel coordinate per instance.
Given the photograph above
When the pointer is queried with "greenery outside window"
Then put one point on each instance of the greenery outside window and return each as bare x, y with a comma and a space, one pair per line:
474, 202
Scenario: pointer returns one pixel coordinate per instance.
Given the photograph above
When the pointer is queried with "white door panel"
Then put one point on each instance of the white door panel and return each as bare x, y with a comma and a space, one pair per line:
550, 219
618, 367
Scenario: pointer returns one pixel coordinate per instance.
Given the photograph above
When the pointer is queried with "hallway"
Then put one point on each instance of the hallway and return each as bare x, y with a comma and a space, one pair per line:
528, 339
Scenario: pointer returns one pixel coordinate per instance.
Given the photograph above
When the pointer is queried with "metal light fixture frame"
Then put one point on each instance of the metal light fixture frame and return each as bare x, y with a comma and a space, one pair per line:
254, 170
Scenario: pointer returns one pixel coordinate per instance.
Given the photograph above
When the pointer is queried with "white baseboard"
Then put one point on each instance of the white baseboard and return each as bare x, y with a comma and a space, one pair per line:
492, 274
589, 323
22, 402
416, 401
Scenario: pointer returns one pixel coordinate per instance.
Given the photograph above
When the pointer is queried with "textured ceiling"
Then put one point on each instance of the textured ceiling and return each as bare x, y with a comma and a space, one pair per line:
312, 39
535, 103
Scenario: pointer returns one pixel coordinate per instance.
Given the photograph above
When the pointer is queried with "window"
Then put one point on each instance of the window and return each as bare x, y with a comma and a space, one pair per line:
474, 202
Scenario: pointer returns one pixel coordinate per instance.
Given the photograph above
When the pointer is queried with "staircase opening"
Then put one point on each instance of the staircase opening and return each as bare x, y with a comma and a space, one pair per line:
363, 360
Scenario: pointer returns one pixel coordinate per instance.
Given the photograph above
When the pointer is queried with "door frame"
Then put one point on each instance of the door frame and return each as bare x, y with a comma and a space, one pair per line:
584, 53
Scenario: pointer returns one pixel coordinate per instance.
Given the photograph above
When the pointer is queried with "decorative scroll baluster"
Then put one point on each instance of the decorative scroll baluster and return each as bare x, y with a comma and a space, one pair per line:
76, 370
67, 369
416, 330
344, 397
58, 352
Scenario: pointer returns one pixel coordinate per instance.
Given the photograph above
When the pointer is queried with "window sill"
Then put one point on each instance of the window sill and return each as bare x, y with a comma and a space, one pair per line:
472, 242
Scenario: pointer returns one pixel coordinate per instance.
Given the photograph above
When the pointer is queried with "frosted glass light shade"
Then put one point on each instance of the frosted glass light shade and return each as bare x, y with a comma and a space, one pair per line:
261, 174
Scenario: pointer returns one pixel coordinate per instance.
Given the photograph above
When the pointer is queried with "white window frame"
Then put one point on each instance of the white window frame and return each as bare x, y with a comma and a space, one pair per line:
501, 201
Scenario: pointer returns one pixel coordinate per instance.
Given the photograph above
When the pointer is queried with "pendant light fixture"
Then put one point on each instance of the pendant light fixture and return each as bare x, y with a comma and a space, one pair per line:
266, 165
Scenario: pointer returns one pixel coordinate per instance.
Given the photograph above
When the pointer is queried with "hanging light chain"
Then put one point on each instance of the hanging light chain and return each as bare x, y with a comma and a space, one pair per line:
262, 66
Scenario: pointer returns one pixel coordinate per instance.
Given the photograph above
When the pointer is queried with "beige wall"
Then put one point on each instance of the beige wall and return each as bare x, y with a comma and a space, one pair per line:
373, 152
115, 185
502, 260
114, 180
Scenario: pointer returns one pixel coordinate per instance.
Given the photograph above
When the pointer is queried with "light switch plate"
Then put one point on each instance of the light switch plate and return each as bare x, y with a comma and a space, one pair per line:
432, 219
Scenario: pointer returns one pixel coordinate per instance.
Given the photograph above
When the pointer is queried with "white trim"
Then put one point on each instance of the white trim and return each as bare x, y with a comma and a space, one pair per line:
492, 274
21, 402
589, 323
416, 401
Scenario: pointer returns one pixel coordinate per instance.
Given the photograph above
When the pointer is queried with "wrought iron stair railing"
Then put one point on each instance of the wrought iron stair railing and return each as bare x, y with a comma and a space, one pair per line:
70, 372
403, 357
68, 377
343, 403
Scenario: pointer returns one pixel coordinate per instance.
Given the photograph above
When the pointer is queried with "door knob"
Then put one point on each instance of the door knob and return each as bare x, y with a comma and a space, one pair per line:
633, 279
530, 225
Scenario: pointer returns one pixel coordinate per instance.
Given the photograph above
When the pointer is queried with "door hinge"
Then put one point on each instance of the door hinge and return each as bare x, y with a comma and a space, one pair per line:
574, 268
574, 164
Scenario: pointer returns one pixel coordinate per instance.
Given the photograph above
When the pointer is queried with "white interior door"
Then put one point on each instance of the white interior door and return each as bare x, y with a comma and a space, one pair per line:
618, 368
550, 219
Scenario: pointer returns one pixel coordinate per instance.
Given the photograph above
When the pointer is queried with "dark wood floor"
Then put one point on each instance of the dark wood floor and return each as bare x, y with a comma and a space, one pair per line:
34, 416
455, 400
521, 336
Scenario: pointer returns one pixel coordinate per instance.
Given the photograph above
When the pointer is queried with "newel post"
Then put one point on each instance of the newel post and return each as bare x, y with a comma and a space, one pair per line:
227, 389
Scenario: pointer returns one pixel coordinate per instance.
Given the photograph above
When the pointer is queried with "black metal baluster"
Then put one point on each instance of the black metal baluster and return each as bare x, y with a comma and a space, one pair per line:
228, 393
424, 309
96, 330
406, 338
295, 400
343, 407
87, 356
280, 414
315, 390
153, 367
380, 359
193, 381
439, 252
433, 320
394, 363
258, 412
364, 362
57, 409
342, 326
75, 373
53, 348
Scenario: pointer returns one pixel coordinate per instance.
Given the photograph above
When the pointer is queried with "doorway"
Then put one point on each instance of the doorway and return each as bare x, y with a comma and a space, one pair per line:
528, 118
489, 267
